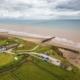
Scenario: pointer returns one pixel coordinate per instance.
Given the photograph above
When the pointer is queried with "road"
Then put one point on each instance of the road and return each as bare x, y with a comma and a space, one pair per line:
41, 56
33, 49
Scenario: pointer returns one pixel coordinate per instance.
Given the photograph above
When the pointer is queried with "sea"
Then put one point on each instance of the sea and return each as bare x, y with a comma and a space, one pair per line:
64, 24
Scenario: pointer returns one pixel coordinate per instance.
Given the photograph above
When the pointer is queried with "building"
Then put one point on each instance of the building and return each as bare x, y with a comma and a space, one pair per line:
50, 59
6, 47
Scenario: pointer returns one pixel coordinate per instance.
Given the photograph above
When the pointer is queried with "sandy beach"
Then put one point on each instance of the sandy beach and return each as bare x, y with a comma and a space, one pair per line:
44, 31
63, 38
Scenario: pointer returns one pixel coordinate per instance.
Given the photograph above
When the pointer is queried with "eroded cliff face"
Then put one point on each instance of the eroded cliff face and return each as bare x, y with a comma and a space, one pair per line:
73, 58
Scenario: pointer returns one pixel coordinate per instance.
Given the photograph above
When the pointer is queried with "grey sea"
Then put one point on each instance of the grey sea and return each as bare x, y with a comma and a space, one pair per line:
66, 24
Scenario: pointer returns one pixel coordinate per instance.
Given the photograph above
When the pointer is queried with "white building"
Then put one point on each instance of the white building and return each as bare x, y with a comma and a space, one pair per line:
49, 59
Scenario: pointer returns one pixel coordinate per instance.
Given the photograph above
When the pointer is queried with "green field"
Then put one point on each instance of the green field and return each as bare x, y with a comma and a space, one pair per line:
30, 68
5, 59
34, 69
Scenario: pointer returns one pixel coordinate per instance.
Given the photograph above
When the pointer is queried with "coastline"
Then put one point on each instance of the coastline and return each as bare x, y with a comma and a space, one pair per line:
57, 41
43, 31
30, 33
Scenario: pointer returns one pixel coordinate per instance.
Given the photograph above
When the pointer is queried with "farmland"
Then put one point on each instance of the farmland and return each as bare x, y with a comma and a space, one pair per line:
26, 67
36, 69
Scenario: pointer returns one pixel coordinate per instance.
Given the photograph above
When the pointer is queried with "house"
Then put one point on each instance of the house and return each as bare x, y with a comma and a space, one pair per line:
2, 48
6, 47
50, 59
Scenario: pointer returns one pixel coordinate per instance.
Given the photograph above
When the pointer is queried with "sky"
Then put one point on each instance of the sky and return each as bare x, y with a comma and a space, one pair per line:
39, 9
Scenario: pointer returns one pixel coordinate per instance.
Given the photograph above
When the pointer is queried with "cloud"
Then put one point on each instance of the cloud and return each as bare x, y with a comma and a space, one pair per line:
40, 9
70, 4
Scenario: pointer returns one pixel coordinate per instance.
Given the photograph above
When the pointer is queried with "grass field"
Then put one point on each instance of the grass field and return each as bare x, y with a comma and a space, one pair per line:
31, 68
5, 59
37, 70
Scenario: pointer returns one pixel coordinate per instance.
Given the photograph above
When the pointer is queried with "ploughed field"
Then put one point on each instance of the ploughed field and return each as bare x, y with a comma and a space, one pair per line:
26, 67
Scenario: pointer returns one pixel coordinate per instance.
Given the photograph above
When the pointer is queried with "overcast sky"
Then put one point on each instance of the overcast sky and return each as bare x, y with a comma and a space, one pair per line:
40, 9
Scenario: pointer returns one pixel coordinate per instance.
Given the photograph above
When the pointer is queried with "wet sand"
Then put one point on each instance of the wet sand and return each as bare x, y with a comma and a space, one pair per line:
44, 31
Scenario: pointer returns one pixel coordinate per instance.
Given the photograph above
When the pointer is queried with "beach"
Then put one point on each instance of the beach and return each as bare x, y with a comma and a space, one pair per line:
63, 38
43, 31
